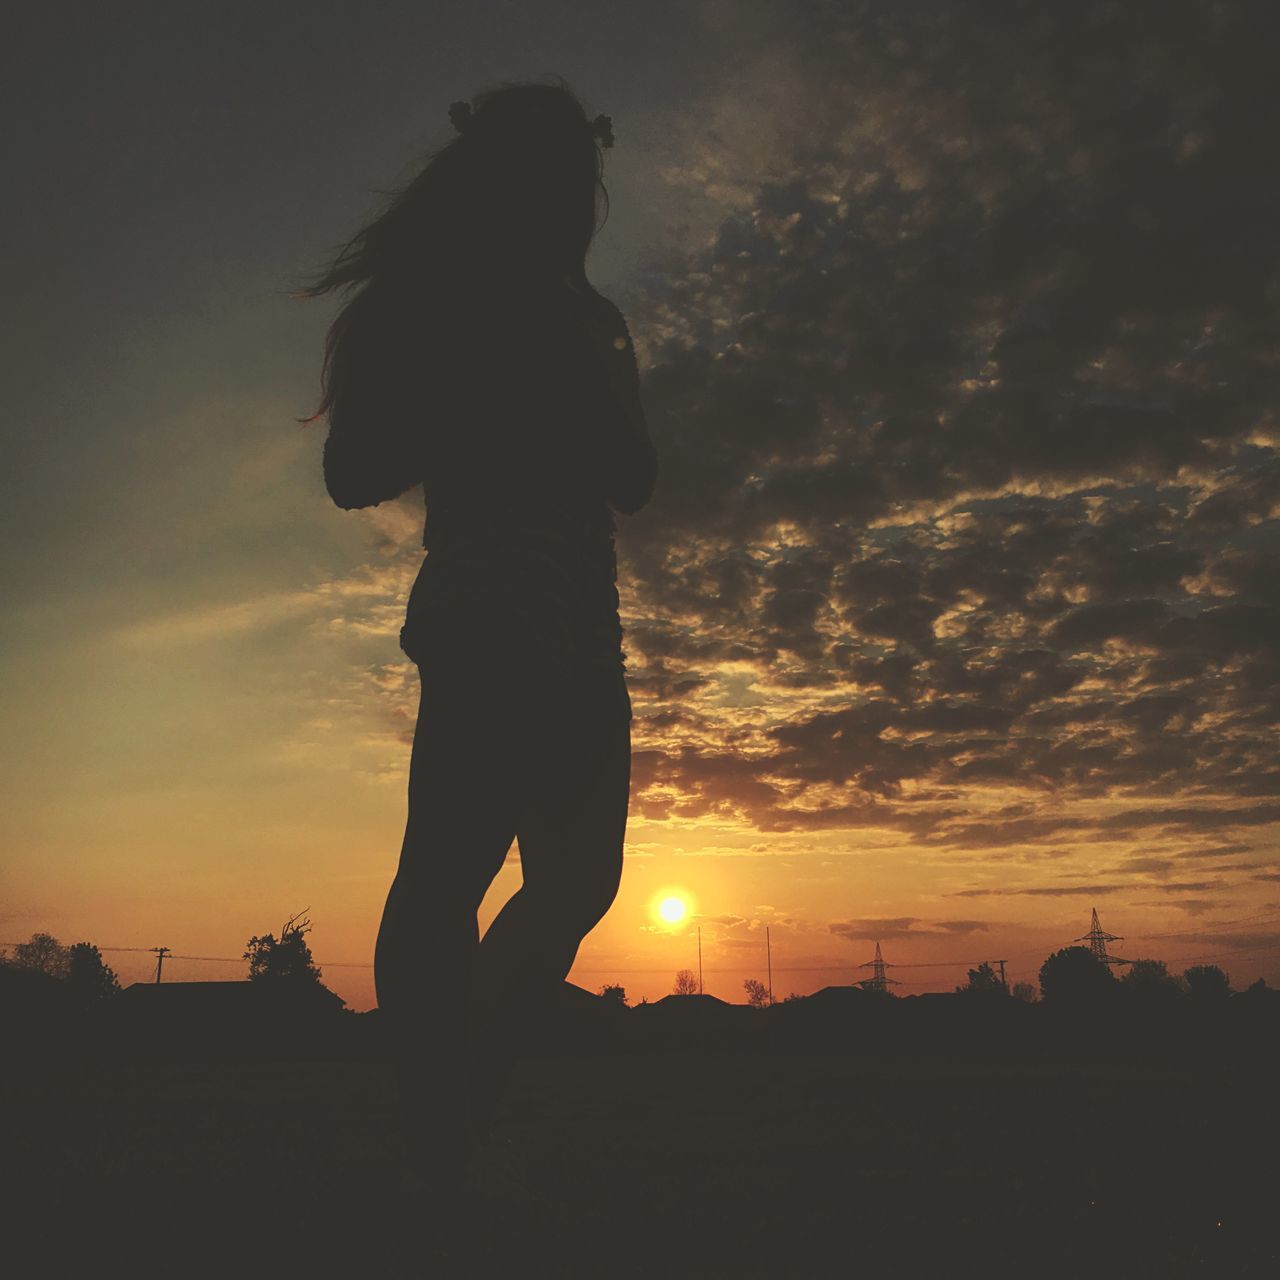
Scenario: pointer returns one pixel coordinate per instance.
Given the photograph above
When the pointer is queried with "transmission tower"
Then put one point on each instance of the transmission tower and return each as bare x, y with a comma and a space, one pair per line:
877, 981
1098, 939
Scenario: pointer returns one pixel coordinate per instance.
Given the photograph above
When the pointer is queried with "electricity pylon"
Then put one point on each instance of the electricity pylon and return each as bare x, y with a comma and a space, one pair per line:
1098, 939
878, 981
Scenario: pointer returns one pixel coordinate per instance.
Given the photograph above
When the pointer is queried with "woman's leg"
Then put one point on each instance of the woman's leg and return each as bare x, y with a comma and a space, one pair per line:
461, 823
570, 830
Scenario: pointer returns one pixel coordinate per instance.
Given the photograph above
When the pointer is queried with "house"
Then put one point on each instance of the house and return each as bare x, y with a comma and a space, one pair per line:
690, 1021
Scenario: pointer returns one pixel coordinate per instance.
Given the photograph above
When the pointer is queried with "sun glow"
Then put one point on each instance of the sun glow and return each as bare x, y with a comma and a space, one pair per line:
671, 906
672, 910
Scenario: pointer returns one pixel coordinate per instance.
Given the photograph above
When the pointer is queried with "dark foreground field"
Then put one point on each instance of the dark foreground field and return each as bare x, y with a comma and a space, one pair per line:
679, 1165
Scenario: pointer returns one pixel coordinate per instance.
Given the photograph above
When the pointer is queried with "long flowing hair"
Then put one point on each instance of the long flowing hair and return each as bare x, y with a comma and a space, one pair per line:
513, 197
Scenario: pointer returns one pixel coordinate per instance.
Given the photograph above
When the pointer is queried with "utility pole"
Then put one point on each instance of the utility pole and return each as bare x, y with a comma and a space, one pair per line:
160, 953
768, 951
1001, 963
699, 959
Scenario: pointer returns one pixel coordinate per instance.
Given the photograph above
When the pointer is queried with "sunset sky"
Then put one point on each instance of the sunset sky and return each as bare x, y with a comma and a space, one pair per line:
955, 614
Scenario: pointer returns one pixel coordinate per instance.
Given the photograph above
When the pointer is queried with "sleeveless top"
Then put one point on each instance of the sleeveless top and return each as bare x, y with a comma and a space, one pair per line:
519, 413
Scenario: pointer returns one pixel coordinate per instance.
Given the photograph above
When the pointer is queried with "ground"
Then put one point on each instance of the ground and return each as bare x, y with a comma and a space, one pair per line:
674, 1165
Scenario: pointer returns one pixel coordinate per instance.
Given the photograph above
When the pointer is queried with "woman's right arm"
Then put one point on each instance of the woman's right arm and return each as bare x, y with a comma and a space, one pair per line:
614, 414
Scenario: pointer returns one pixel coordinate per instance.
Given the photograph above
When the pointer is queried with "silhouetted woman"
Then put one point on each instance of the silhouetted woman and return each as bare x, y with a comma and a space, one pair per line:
478, 361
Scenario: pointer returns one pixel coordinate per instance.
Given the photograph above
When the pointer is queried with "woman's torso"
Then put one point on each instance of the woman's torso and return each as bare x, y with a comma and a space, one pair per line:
517, 581
520, 564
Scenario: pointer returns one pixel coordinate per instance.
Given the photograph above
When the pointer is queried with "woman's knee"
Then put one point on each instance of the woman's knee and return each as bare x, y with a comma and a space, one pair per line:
578, 901
452, 863
443, 888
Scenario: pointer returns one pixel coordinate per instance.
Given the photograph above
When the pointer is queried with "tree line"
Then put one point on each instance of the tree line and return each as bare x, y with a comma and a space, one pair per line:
1072, 975
87, 977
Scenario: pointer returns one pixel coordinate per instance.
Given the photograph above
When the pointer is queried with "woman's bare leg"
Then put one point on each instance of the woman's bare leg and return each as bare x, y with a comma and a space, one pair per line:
460, 826
570, 833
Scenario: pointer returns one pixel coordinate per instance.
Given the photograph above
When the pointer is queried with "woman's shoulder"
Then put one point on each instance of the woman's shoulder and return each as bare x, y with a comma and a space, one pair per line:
594, 299
602, 314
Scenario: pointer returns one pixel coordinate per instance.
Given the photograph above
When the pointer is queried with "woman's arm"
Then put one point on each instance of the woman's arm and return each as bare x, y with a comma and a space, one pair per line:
620, 438
364, 470
375, 447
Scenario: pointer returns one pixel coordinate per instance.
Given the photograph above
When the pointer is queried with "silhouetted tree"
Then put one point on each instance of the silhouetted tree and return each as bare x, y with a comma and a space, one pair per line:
287, 959
1257, 988
686, 983
1025, 991
757, 993
1207, 982
1075, 976
43, 953
1151, 981
794, 995
983, 981
88, 975
614, 991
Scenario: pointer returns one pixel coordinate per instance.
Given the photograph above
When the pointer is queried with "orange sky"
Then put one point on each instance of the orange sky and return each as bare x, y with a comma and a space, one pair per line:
209, 771
953, 616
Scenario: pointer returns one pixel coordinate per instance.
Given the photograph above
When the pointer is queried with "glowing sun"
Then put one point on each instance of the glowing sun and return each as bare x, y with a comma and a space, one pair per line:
672, 906
673, 910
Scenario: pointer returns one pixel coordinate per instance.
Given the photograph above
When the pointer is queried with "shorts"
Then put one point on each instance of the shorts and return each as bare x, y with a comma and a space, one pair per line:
505, 742
476, 645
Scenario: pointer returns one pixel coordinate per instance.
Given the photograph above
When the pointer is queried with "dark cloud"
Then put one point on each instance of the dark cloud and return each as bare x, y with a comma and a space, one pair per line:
969, 466
1242, 941
1069, 891
903, 927
1198, 818
1050, 891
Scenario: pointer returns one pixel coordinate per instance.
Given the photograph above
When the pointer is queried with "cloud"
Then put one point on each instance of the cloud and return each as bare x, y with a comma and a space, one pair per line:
1088, 888
1242, 941
1043, 891
357, 602
903, 927
966, 419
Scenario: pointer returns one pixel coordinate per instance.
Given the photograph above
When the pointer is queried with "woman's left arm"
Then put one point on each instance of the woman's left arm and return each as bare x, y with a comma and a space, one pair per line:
382, 409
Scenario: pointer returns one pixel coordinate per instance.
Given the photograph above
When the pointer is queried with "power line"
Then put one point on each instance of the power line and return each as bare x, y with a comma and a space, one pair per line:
1261, 917
1257, 953
657, 968
1227, 955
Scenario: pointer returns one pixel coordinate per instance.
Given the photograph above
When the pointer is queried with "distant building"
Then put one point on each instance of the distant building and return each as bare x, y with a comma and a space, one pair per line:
693, 1005
695, 1021
854, 996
